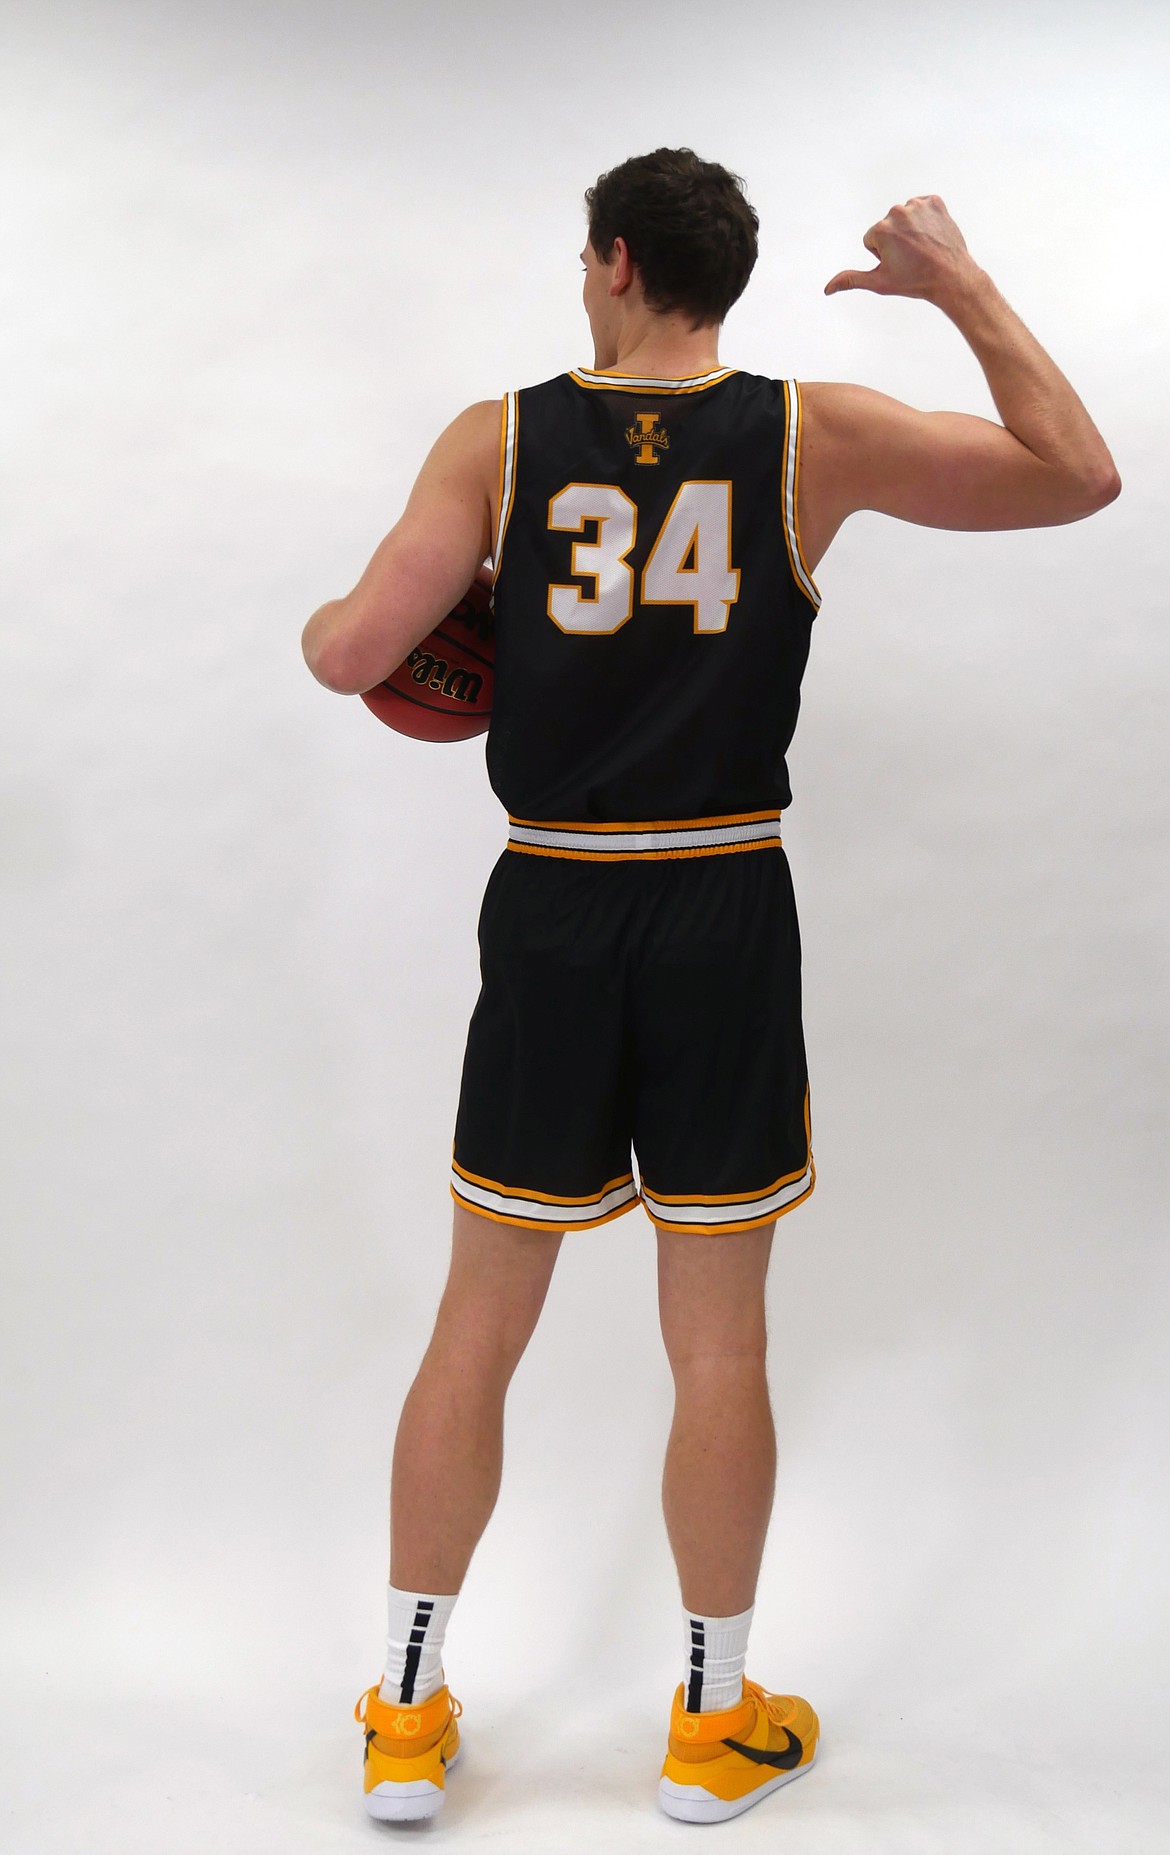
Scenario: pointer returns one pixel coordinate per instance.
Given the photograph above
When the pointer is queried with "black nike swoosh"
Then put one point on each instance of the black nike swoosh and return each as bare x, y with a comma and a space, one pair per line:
786, 1760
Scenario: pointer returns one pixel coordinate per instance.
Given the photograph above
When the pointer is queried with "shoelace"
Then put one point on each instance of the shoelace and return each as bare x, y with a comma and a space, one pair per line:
773, 1704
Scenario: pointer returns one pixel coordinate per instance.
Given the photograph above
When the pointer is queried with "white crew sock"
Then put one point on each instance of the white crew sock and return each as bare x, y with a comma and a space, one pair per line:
416, 1624
716, 1650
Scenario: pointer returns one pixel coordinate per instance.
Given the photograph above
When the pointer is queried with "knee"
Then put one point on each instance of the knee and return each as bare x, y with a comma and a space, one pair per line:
704, 1354
482, 1336
714, 1334
706, 1372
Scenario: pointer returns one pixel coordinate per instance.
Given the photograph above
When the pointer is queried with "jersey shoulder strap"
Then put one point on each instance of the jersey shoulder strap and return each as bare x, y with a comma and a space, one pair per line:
509, 419
793, 423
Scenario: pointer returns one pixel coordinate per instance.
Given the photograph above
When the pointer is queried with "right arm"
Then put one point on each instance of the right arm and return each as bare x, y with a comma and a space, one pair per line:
1046, 464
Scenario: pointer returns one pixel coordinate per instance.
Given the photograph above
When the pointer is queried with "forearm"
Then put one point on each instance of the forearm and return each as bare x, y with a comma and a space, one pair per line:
1034, 400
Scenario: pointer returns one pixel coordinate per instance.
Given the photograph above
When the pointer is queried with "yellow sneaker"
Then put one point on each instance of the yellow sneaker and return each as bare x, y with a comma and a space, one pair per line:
408, 1753
719, 1764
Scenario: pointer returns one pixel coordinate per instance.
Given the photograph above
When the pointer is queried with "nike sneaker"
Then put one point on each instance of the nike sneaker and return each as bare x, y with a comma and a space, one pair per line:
409, 1751
719, 1764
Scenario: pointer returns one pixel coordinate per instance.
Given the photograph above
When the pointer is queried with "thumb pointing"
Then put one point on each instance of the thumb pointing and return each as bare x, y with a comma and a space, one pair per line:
851, 280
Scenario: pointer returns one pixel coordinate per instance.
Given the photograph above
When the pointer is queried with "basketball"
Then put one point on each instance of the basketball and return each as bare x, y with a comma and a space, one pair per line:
443, 690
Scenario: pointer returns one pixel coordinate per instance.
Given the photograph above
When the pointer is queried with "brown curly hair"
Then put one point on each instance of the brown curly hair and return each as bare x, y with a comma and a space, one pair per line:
689, 227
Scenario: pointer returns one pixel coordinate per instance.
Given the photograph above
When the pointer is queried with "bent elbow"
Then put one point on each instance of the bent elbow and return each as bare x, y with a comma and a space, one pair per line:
1085, 497
1103, 490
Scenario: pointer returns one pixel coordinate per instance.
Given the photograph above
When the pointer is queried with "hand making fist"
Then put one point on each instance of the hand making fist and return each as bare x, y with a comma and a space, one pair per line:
920, 249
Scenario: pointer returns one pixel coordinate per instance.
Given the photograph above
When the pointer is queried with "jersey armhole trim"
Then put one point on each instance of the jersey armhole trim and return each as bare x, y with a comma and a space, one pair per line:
509, 426
792, 427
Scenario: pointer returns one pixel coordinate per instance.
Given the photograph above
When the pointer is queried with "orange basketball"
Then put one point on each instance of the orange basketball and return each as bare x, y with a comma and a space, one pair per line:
443, 690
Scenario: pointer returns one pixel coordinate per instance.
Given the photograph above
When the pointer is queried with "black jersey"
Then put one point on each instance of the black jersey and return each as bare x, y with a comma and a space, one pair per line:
652, 608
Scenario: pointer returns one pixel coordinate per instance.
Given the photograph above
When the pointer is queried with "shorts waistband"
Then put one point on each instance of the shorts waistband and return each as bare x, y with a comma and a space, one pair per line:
654, 837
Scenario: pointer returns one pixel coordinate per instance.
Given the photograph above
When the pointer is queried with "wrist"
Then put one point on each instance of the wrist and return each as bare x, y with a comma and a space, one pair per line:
962, 289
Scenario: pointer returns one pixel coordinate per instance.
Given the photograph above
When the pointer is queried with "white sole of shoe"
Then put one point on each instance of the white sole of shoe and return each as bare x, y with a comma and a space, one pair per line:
406, 1803
690, 1803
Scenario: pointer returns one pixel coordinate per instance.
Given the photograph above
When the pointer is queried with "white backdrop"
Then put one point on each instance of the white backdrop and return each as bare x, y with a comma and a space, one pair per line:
255, 257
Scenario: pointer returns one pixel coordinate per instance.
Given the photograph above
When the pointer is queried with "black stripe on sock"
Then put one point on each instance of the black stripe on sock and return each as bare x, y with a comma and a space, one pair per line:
422, 1617
695, 1684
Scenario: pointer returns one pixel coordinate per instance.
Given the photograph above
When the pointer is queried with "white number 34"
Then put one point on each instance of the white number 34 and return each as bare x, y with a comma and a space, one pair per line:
689, 564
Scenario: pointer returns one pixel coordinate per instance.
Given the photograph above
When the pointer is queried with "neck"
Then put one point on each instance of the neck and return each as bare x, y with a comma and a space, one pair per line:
670, 352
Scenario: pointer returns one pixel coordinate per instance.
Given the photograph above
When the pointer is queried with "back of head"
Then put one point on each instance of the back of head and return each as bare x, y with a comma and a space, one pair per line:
688, 226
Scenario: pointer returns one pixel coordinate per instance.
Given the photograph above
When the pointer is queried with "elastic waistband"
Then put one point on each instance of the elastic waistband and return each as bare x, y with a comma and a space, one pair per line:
654, 837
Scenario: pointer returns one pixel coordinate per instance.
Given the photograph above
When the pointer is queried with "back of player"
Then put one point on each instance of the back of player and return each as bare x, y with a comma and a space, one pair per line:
652, 609
641, 970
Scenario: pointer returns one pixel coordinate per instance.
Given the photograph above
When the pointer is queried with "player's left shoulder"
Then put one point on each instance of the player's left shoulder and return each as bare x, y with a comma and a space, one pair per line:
462, 460
467, 450
477, 427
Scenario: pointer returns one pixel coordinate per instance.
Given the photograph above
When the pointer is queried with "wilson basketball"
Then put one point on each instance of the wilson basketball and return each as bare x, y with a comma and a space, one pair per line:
443, 690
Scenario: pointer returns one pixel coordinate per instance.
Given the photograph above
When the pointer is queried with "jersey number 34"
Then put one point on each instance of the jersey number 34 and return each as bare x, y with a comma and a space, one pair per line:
689, 564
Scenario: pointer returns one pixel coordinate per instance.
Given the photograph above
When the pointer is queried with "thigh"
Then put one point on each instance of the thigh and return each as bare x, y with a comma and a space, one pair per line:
721, 1103
497, 1281
711, 1292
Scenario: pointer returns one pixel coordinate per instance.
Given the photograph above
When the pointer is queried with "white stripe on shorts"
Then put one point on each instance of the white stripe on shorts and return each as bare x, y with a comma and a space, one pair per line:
617, 840
724, 1211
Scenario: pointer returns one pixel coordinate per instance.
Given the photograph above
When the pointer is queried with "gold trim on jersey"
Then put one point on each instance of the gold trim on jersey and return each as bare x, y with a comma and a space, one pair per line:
656, 837
509, 430
649, 383
792, 429
646, 824
508, 1203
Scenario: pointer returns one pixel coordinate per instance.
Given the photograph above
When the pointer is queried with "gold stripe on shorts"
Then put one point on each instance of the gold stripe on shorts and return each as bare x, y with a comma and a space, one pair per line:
653, 837
517, 1204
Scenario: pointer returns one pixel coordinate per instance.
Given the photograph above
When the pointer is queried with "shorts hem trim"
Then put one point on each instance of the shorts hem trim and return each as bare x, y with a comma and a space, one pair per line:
495, 1187
730, 1223
544, 1223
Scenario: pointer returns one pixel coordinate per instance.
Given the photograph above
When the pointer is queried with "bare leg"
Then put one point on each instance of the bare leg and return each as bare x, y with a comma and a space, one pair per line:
720, 1472
448, 1453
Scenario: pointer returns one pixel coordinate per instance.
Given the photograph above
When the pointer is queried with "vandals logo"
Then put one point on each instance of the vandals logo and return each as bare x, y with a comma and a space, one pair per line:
647, 437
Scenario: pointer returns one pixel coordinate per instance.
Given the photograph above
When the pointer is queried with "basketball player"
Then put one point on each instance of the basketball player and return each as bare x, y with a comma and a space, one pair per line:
654, 524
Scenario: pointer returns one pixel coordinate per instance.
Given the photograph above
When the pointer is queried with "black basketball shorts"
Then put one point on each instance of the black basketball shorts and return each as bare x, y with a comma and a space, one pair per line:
632, 996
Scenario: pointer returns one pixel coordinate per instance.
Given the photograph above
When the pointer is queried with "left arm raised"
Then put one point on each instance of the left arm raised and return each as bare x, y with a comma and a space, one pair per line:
421, 569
